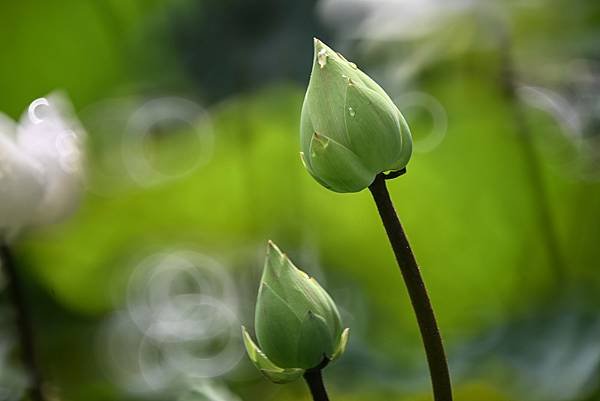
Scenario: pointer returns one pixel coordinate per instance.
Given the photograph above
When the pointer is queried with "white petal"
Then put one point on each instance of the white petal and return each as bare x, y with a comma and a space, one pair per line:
21, 183
49, 133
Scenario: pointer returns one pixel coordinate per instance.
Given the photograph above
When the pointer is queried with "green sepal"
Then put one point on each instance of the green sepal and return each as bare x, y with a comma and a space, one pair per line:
341, 345
283, 376
264, 364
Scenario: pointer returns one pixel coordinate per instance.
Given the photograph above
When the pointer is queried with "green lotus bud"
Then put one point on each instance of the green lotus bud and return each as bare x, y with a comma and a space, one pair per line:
350, 129
297, 323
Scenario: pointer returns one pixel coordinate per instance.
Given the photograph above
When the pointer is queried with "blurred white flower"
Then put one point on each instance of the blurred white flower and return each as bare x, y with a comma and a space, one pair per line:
392, 19
51, 134
206, 390
41, 165
406, 36
569, 93
21, 182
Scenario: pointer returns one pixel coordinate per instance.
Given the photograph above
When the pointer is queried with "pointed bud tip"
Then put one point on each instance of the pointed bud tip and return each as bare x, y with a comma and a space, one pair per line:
272, 247
245, 334
276, 258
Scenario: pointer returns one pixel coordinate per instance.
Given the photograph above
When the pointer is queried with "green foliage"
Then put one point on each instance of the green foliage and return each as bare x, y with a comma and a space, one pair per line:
486, 245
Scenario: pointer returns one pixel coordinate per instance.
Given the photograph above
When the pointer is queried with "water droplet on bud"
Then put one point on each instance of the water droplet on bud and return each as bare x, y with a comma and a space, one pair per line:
351, 112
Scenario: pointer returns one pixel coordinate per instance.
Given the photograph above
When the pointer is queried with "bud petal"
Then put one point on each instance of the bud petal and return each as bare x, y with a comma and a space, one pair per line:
316, 342
276, 327
367, 123
336, 166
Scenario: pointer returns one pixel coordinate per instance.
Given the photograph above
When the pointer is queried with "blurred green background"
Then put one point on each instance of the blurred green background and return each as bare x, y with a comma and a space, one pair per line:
192, 112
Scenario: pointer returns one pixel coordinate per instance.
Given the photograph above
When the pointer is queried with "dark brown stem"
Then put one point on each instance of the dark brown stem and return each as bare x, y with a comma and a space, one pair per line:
430, 334
24, 328
314, 380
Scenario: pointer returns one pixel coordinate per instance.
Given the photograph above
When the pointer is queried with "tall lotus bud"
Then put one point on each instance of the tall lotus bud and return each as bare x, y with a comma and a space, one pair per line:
350, 128
297, 323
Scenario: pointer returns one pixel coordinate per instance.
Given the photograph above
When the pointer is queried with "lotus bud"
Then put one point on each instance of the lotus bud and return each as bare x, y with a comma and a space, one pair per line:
297, 324
350, 129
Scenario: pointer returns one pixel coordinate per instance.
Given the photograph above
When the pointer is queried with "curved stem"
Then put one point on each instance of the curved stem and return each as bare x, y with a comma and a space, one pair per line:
430, 334
314, 380
23, 322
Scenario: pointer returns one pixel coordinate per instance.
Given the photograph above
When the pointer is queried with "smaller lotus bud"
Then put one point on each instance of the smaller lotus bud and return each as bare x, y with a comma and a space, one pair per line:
297, 323
350, 129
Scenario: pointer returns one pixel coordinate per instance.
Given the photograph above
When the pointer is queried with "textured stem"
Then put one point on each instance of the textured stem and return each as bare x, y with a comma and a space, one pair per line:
430, 334
23, 321
314, 380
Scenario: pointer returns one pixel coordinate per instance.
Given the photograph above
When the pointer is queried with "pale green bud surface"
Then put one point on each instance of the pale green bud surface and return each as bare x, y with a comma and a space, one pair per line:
297, 323
350, 129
